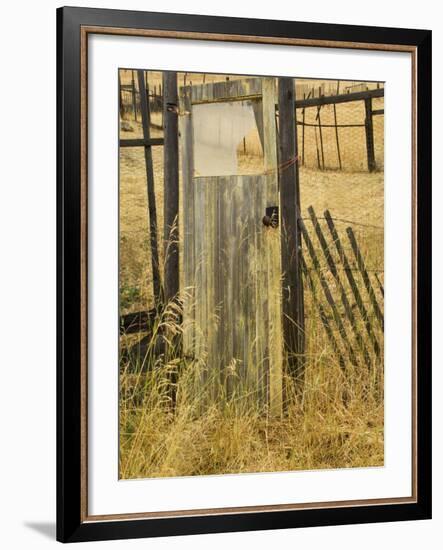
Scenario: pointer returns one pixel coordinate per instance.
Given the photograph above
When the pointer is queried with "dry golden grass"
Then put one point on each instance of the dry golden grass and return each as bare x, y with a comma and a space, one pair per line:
337, 422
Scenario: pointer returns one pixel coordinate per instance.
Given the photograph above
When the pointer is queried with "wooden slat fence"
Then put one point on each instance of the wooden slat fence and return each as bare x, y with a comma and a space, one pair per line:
347, 297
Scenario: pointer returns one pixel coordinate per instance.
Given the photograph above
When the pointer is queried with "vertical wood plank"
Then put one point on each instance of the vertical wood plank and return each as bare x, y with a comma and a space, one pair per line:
272, 250
217, 297
259, 273
227, 189
213, 365
250, 280
188, 258
200, 291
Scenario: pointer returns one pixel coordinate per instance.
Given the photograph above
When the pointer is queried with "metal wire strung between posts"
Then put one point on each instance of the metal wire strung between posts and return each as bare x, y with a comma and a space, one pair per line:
311, 125
283, 166
352, 222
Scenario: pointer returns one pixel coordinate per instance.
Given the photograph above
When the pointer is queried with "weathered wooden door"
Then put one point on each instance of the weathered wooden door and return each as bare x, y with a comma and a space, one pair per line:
231, 238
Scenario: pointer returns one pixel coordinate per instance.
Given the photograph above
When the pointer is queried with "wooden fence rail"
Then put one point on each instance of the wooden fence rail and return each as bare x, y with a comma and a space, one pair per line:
341, 98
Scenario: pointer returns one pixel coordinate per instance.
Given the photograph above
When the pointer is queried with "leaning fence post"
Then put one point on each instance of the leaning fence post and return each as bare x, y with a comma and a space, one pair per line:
152, 210
134, 100
369, 129
365, 276
120, 98
292, 285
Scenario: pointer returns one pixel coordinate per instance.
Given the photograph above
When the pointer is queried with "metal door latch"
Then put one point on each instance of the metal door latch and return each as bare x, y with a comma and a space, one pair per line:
270, 219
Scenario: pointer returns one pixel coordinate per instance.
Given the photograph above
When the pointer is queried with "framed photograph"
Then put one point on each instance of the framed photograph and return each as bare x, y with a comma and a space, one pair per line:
244, 274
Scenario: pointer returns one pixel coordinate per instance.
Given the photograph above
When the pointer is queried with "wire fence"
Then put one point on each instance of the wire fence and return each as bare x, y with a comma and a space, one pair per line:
334, 178
348, 136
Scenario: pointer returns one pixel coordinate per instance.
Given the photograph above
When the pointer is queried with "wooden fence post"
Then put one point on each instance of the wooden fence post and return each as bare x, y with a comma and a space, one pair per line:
303, 135
292, 295
152, 210
316, 147
171, 187
336, 128
134, 100
120, 99
320, 132
369, 128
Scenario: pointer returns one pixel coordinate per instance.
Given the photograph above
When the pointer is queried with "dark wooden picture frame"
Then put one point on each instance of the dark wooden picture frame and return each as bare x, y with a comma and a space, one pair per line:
73, 26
